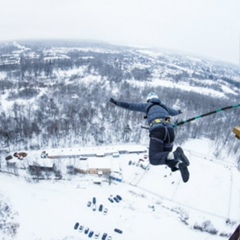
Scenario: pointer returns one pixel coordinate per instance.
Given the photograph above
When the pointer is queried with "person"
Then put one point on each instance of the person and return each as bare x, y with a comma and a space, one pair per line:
161, 133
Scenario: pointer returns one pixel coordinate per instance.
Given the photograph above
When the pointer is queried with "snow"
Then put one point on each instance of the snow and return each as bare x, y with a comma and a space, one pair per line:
156, 203
2, 75
180, 85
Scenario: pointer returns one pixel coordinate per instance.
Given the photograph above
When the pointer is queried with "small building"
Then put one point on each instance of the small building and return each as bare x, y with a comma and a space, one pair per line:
117, 176
99, 166
115, 154
42, 164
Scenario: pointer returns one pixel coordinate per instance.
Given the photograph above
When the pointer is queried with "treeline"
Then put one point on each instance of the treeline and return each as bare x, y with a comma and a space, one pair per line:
79, 113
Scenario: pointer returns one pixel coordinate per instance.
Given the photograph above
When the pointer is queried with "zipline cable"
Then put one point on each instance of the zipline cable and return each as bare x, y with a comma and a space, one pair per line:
205, 114
201, 116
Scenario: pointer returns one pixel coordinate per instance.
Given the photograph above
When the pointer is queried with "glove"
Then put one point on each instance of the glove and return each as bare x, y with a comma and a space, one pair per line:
179, 112
113, 101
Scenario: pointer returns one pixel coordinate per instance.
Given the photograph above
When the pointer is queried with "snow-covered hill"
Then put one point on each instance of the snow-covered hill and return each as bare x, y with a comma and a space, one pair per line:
56, 94
155, 203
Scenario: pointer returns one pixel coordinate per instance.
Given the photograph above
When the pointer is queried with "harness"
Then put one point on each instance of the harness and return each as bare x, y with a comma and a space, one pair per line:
160, 121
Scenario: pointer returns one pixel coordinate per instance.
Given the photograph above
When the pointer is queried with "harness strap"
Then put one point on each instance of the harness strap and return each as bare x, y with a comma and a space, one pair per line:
160, 121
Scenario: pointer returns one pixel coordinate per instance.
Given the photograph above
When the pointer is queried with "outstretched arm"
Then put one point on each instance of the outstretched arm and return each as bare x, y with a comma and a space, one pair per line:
139, 107
173, 112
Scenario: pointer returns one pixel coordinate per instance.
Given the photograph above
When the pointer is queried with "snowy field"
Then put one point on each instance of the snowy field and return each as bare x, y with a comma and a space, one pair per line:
155, 203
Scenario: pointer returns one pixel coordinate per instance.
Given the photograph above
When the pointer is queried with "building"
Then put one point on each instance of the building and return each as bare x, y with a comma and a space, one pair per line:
99, 166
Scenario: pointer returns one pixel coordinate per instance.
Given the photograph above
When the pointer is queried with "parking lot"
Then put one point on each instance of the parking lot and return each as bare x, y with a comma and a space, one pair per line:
99, 209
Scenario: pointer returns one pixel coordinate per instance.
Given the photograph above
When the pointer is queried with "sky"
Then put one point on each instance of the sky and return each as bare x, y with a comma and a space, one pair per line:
209, 28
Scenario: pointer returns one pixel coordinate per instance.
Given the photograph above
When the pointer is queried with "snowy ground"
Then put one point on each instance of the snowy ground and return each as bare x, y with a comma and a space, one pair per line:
156, 204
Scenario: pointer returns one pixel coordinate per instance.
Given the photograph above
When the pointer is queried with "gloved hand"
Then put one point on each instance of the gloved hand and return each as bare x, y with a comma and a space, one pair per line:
113, 101
179, 112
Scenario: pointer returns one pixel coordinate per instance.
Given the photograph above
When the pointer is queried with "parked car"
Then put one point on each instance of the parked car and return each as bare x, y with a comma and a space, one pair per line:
94, 207
90, 234
81, 228
100, 208
86, 230
119, 197
89, 204
104, 236
94, 200
109, 238
76, 225
105, 211
97, 234
111, 200
116, 199
118, 230
8, 158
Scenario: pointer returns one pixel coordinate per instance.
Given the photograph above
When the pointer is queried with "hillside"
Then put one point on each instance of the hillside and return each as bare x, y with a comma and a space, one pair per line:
54, 100
55, 93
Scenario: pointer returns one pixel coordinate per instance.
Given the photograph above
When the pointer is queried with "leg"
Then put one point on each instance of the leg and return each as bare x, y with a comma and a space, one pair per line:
179, 161
168, 141
171, 161
156, 154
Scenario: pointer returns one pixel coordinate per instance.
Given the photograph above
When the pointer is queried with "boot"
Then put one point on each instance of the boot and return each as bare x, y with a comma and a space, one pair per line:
179, 155
172, 164
184, 171
179, 165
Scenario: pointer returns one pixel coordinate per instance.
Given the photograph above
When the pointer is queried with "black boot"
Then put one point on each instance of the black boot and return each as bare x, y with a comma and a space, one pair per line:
172, 164
179, 165
179, 155
184, 171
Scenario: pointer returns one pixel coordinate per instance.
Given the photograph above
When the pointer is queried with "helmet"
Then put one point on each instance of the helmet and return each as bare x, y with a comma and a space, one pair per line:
151, 96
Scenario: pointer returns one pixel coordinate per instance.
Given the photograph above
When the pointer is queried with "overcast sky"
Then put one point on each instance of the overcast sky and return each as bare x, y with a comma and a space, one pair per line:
209, 28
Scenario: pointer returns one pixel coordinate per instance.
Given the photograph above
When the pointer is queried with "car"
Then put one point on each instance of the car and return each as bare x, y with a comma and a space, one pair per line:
76, 225
94, 200
89, 204
105, 211
118, 230
100, 208
81, 228
116, 199
86, 230
90, 234
119, 197
97, 234
110, 199
109, 238
104, 236
94, 207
